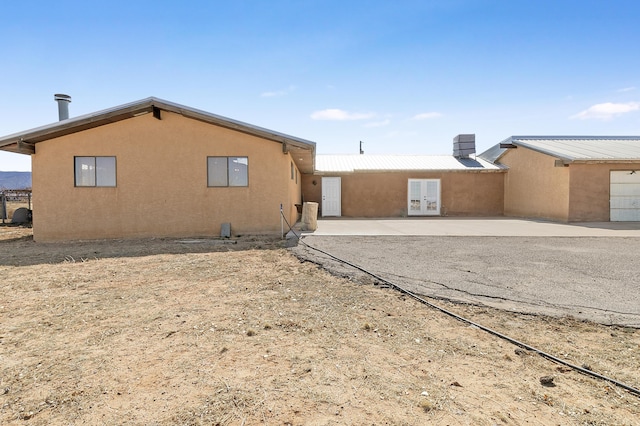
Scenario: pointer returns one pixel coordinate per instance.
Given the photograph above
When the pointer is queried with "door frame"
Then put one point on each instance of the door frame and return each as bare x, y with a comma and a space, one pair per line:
423, 195
624, 196
333, 179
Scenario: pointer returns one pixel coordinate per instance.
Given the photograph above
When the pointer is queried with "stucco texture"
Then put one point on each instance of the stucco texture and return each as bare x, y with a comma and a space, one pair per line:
161, 188
384, 194
534, 187
590, 190
578, 192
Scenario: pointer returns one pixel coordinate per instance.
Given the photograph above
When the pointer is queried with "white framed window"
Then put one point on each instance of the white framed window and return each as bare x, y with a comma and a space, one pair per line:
227, 171
95, 171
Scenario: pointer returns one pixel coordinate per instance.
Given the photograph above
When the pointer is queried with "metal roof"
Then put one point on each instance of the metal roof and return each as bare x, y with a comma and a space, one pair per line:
492, 154
573, 148
302, 151
355, 163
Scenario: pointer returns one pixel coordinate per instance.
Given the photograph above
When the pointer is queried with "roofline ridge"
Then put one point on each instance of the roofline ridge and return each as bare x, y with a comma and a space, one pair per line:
572, 137
149, 102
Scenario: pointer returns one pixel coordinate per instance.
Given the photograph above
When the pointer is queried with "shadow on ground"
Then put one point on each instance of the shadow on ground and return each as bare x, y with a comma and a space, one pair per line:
23, 251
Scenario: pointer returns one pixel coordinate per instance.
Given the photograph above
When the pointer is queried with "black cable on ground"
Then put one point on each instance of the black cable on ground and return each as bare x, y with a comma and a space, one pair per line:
582, 370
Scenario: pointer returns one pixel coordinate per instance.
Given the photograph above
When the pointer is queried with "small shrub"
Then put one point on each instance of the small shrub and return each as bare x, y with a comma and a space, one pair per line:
426, 405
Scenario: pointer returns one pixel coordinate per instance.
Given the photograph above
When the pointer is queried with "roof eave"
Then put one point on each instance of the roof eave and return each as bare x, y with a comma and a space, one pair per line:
604, 160
304, 150
499, 169
78, 124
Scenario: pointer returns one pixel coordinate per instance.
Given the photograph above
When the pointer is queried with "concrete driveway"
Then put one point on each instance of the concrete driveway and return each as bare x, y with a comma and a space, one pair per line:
587, 271
494, 227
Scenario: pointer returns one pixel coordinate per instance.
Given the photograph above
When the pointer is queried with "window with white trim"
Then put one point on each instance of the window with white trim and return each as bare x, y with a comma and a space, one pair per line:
227, 171
95, 171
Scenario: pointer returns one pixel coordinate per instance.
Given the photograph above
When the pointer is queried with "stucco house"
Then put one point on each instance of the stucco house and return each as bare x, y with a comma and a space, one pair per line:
570, 178
154, 168
405, 185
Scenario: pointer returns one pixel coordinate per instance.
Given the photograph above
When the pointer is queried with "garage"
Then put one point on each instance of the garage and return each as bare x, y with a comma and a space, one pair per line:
625, 196
570, 178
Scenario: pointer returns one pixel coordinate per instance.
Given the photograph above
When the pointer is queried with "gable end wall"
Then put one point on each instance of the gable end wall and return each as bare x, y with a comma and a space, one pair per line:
534, 187
161, 182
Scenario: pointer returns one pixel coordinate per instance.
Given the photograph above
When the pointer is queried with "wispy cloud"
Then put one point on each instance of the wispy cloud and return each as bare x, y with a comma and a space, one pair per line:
340, 115
606, 111
378, 123
426, 116
278, 92
626, 89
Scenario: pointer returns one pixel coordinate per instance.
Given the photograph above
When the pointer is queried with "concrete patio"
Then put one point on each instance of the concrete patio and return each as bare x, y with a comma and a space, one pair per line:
500, 227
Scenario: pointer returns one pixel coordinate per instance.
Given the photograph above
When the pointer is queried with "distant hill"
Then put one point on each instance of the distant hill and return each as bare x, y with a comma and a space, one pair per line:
15, 180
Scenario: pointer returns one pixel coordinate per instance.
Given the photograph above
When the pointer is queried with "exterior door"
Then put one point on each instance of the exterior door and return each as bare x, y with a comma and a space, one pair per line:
624, 193
331, 196
424, 197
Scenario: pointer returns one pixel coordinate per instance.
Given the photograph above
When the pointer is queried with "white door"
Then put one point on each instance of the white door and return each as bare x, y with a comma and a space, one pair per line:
424, 197
331, 196
624, 201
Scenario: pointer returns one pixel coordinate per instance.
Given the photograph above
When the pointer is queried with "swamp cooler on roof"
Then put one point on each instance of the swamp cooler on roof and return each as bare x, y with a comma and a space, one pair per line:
464, 145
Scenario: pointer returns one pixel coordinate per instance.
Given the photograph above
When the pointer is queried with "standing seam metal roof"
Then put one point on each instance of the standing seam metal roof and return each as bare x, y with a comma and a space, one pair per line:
303, 151
353, 163
573, 148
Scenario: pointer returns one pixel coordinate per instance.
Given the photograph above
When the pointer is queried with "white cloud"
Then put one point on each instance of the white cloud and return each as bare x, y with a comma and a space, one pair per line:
378, 123
426, 116
340, 115
606, 111
626, 89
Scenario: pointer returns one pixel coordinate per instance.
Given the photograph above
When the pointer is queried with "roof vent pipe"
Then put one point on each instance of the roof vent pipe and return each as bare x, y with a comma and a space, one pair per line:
63, 105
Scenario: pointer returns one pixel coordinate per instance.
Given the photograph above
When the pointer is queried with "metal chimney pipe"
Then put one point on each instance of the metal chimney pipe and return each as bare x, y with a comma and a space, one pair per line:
63, 105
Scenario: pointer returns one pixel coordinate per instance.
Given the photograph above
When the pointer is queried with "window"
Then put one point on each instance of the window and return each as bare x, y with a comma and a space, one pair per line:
292, 168
95, 171
227, 171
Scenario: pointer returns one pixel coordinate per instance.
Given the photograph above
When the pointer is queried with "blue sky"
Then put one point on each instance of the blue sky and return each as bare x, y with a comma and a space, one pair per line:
404, 77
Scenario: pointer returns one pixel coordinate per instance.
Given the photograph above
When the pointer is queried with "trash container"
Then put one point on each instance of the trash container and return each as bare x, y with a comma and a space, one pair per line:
309, 216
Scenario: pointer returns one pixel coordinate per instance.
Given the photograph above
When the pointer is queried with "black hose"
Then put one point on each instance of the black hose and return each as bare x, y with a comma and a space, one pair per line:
588, 372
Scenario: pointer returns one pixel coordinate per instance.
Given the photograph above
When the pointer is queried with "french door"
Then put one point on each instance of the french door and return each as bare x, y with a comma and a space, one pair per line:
424, 197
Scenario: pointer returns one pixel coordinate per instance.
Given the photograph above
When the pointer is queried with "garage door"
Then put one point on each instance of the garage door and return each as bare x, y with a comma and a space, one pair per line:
625, 196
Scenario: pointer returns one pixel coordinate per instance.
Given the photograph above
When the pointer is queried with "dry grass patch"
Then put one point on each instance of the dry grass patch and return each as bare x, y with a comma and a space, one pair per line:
178, 336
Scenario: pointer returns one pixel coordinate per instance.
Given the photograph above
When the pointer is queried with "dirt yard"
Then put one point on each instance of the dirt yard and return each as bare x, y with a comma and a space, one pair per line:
205, 332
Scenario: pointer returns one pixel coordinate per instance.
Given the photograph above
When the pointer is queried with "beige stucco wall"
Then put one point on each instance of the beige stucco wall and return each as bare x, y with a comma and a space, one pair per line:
385, 194
294, 196
534, 187
161, 182
590, 190
579, 192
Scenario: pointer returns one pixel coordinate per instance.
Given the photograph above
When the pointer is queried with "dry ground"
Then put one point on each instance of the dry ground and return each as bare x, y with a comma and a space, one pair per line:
164, 332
